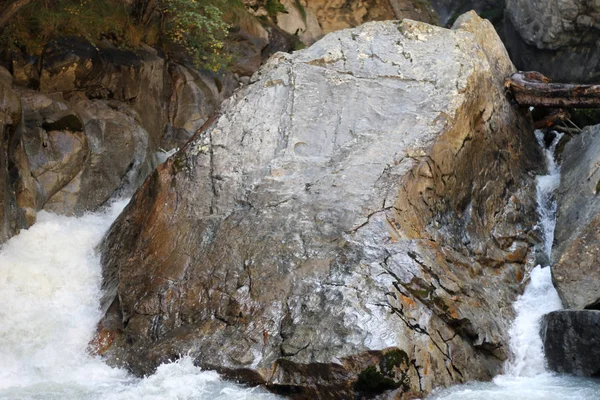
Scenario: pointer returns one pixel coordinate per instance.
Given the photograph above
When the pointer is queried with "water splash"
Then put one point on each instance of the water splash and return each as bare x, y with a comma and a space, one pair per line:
525, 342
50, 279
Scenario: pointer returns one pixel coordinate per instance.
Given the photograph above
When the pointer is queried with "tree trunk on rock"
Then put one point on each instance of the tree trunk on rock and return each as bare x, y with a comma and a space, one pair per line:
534, 89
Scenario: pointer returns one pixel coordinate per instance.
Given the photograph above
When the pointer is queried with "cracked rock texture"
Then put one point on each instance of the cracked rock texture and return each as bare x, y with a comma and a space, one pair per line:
556, 37
356, 221
576, 252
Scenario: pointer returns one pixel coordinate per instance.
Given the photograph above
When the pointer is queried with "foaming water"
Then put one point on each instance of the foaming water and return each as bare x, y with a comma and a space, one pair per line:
50, 279
546, 186
525, 342
525, 375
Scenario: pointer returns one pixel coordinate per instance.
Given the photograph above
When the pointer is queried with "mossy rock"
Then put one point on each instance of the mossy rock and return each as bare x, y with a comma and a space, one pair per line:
372, 381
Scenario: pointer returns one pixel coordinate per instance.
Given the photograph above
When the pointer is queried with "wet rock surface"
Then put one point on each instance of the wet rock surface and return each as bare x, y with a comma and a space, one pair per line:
571, 341
357, 220
575, 253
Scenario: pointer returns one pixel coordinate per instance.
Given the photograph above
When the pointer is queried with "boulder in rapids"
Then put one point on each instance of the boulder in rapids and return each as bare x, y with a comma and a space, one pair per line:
357, 220
571, 341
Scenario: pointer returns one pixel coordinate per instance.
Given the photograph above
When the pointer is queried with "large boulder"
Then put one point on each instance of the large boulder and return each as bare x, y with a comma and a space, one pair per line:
556, 37
576, 250
571, 341
358, 219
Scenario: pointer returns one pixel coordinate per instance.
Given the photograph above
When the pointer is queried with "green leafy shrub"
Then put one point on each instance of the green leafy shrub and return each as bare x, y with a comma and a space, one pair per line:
198, 26
274, 7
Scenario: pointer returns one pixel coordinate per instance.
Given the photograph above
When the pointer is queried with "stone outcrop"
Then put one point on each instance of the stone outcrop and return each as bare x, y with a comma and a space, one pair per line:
65, 153
357, 220
576, 252
557, 37
571, 341
11, 217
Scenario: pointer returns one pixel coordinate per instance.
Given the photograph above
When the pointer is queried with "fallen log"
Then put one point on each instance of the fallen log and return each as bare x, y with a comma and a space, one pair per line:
534, 89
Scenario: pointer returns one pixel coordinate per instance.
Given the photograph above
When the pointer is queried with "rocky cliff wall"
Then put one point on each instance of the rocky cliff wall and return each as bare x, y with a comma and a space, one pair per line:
357, 220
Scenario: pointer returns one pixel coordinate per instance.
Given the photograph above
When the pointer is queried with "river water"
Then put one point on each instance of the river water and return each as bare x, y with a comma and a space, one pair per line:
50, 289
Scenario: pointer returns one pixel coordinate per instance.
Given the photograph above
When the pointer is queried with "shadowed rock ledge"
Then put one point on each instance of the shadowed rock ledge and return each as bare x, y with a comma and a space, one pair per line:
356, 221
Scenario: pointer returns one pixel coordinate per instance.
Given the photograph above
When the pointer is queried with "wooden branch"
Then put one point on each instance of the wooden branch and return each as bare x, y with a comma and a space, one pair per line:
11, 9
534, 89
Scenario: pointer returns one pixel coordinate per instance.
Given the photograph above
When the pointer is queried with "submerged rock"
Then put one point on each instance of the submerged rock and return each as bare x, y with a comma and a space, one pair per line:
571, 341
575, 255
357, 220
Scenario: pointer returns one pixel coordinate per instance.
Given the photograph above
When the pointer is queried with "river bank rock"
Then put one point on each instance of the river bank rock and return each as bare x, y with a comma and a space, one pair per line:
571, 341
310, 20
11, 217
557, 37
356, 220
576, 251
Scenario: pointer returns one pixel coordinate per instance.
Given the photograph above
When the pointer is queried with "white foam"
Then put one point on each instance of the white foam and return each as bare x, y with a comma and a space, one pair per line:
50, 279
525, 342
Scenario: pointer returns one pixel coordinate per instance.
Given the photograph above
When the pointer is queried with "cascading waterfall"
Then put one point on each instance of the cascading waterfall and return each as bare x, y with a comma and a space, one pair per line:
525, 374
50, 279
539, 297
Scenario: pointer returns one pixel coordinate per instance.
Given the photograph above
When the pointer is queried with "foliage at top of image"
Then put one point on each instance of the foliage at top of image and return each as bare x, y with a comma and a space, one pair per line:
198, 26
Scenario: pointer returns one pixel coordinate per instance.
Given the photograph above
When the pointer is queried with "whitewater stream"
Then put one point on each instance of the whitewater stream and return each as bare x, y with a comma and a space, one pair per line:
50, 279
525, 375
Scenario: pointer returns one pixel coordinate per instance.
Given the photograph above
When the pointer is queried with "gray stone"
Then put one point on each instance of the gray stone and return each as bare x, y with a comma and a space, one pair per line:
576, 250
572, 341
363, 207
557, 38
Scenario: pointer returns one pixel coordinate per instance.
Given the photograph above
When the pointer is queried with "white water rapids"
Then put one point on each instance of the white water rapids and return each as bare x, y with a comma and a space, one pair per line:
49, 294
525, 376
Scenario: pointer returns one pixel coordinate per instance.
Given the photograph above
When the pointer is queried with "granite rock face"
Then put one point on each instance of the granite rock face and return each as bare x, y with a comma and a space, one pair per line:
357, 220
571, 341
576, 250
557, 38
